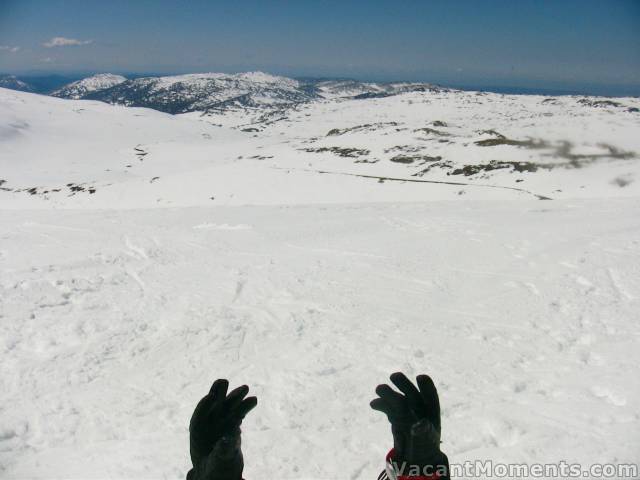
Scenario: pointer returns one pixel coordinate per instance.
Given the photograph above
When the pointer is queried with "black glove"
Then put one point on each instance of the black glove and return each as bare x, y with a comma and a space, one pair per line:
414, 415
214, 433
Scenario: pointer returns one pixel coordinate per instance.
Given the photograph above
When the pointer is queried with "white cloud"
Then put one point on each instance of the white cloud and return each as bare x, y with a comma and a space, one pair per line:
7, 48
47, 60
65, 42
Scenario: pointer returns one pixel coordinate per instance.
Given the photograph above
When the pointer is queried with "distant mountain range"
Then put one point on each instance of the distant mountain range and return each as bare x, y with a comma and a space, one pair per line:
209, 92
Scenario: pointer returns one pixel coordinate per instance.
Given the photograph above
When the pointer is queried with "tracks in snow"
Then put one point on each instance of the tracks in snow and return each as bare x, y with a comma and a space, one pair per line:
415, 180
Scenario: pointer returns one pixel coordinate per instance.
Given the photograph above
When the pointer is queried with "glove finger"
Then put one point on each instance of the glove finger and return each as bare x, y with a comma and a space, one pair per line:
222, 407
236, 416
429, 394
414, 398
393, 398
244, 407
201, 411
234, 398
219, 388
236, 395
211, 401
380, 405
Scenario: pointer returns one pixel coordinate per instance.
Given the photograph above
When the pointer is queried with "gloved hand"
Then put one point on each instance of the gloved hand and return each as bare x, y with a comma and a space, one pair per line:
214, 433
414, 415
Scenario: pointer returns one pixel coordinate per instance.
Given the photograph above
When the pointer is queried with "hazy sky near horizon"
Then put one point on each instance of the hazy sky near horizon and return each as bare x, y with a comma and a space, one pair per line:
495, 41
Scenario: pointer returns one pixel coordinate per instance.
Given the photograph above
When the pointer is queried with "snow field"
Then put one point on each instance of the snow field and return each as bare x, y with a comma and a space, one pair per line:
114, 324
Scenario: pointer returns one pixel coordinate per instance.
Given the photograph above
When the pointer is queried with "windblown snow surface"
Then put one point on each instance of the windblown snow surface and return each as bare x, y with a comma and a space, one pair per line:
143, 255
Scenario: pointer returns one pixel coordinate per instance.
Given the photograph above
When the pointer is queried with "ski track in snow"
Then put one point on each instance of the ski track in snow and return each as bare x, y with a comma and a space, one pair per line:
114, 324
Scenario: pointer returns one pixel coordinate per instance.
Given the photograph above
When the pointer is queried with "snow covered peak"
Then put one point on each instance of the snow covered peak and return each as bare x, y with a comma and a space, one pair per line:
81, 88
262, 77
14, 83
246, 80
102, 80
245, 77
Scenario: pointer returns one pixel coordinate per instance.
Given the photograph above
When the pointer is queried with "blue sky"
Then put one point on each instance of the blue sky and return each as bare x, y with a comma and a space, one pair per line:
514, 42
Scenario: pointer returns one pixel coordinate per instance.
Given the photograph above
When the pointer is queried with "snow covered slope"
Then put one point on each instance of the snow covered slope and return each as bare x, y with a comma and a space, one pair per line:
411, 147
90, 85
114, 324
311, 253
362, 90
